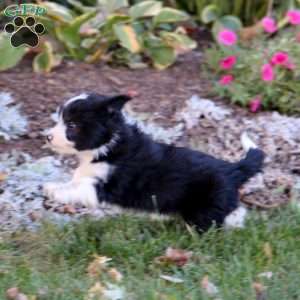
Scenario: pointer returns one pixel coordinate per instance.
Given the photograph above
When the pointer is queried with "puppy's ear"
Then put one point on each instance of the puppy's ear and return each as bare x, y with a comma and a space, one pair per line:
116, 103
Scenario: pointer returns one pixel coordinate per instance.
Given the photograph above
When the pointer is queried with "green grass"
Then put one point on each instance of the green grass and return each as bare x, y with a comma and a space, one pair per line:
54, 259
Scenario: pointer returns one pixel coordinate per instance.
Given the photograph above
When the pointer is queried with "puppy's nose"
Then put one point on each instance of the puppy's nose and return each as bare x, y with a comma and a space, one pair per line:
49, 137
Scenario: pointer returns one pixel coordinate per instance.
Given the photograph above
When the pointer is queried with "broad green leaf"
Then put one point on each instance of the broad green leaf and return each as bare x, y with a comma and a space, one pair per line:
10, 56
69, 33
209, 14
170, 15
57, 12
46, 60
229, 22
161, 54
127, 37
112, 20
88, 43
113, 5
162, 57
180, 42
145, 9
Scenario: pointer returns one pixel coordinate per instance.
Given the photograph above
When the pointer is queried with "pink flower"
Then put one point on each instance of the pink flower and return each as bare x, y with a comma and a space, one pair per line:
227, 37
280, 58
228, 62
269, 25
226, 79
267, 73
290, 66
294, 17
255, 104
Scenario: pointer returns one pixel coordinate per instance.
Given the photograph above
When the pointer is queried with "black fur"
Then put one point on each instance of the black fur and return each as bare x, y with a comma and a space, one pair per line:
156, 177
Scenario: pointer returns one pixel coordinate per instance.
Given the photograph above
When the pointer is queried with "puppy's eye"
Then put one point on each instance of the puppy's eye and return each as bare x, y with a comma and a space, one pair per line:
71, 125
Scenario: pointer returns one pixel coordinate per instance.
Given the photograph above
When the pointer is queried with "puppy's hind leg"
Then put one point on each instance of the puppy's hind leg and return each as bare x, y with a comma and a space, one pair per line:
214, 214
202, 221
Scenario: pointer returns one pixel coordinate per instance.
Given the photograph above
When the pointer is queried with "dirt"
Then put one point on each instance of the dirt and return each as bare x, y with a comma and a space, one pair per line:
40, 94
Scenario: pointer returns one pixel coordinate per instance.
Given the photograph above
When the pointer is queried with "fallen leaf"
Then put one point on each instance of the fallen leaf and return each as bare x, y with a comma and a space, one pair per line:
209, 287
95, 292
3, 176
97, 265
69, 209
115, 274
178, 257
259, 290
14, 294
171, 279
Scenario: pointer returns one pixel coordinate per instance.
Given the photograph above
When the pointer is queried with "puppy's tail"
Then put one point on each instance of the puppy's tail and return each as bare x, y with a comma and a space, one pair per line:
251, 164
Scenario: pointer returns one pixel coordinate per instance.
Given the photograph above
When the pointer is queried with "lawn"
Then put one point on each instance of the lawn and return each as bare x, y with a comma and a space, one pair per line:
52, 262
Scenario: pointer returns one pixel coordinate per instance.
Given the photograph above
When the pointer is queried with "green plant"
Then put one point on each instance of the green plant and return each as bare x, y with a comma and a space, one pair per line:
263, 74
144, 33
248, 11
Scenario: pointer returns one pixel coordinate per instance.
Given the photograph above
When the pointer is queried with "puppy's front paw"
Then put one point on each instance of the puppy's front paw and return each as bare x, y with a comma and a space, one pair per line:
56, 192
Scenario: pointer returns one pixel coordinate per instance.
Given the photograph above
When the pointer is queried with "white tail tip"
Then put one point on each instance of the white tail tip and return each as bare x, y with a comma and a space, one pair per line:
247, 143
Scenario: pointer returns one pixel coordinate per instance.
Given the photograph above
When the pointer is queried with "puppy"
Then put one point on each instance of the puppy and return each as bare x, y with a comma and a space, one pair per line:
121, 165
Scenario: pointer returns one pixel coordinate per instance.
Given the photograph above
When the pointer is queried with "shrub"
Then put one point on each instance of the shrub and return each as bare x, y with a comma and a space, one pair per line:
262, 74
145, 33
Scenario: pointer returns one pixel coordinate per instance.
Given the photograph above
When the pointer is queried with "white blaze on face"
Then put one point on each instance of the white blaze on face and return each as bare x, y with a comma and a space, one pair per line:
59, 142
82, 96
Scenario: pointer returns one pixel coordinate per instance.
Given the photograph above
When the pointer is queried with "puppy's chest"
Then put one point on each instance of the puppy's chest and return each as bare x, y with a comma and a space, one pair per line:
100, 170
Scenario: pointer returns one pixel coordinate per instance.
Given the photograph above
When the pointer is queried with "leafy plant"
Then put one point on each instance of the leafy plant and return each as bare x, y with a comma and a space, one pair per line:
262, 74
248, 11
144, 33
10, 56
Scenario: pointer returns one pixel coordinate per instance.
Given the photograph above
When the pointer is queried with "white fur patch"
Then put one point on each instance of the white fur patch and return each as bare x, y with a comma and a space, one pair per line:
59, 142
104, 149
82, 96
82, 192
86, 168
236, 219
81, 189
247, 143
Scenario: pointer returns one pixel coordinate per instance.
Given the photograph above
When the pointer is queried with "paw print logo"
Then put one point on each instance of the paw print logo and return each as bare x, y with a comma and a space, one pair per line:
24, 32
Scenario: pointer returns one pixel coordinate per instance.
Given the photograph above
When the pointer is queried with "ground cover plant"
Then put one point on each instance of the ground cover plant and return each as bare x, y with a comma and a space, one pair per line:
262, 72
260, 261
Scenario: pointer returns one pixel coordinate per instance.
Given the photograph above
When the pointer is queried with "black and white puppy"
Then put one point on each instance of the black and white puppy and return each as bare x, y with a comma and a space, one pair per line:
121, 165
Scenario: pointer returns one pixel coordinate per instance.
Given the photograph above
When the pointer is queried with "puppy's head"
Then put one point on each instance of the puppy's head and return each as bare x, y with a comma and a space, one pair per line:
87, 122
